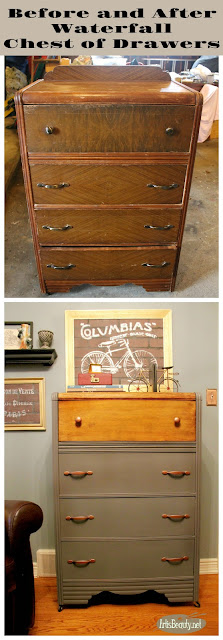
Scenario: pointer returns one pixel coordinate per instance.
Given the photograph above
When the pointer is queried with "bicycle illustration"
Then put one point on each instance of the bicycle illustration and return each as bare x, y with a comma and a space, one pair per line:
168, 380
131, 361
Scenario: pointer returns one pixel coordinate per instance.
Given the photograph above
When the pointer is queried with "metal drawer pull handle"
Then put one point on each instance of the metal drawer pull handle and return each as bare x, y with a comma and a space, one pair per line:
164, 186
175, 517
78, 421
49, 130
156, 266
67, 266
65, 228
61, 185
169, 131
176, 473
177, 422
81, 563
175, 560
150, 226
79, 518
78, 473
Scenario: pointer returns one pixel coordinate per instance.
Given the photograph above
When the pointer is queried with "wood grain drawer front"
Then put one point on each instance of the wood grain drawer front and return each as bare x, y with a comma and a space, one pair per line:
126, 473
126, 517
108, 128
107, 263
131, 559
91, 184
110, 227
127, 420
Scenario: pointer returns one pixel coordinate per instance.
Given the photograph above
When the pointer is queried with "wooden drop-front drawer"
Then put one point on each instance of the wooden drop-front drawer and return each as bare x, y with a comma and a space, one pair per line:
126, 419
131, 473
123, 517
89, 264
91, 184
110, 227
132, 559
91, 128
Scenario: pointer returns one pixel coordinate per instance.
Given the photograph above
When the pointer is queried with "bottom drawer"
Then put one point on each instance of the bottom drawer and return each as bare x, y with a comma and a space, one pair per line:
108, 264
127, 559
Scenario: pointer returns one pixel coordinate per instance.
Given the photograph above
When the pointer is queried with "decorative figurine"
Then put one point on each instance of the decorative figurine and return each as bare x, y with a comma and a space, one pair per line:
45, 338
143, 382
168, 381
24, 336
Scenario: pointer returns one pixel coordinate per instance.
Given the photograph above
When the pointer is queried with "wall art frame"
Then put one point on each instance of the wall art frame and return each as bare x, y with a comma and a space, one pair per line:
11, 330
24, 408
112, 337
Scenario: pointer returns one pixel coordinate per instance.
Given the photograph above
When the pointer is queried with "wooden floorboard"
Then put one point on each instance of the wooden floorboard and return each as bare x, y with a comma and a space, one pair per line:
119, 619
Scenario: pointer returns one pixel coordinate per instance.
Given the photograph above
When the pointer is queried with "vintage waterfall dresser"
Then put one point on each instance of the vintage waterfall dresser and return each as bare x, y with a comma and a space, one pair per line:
126, 478
107, 156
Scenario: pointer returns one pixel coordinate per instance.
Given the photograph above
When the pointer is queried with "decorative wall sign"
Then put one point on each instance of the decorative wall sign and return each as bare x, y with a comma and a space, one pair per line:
24, 404
118, 340
18, 335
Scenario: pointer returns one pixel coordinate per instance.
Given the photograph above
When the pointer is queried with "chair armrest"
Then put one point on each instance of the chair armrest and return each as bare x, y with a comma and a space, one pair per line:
21, 519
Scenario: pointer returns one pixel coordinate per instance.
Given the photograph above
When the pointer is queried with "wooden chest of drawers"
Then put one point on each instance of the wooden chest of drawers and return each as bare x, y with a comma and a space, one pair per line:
107, 155
126, 477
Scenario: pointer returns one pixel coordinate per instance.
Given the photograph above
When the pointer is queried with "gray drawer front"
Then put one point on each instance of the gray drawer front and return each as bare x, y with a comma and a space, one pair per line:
127, 517
127, 559
126, 473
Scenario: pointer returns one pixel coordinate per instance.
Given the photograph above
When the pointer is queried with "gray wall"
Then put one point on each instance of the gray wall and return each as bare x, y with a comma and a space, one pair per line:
28, 456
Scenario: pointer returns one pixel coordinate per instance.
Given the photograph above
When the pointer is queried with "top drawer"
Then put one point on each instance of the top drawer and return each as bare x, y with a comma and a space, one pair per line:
126, 419
108, 128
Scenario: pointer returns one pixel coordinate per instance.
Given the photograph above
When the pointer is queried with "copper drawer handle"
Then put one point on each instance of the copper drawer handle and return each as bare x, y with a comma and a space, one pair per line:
78, 474
61, 185
175, 517
165, 228
176, 473
79, 518
175, 560
78, 421
81, 563
49, 130
169, 131
65, 228
174, 185
177, 422
55, 266
157, 266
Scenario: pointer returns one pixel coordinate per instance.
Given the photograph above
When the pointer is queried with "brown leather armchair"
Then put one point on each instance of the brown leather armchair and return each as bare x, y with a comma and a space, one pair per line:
21, 519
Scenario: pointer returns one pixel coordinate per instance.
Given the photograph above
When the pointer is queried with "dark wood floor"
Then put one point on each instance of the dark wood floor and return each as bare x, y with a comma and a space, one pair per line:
119, 619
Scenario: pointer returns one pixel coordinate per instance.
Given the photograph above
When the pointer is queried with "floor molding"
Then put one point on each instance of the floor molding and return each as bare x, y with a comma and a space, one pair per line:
45, 567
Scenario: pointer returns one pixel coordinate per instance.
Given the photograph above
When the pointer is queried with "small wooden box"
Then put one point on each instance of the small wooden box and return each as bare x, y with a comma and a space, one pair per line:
94, 378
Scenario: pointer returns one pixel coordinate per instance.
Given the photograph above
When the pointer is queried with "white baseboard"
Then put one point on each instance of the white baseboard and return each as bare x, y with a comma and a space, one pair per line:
46, 563
46, 566
208, 565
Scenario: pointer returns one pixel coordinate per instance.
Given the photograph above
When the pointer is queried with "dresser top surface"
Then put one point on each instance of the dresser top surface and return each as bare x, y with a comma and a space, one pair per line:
125, 395
139, 85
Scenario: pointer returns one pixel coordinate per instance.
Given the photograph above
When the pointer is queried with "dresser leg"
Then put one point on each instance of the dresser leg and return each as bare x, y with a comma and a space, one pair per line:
60, 608
196, 604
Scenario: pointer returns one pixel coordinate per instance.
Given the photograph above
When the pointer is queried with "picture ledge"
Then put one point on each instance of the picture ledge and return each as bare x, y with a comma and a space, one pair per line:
44, 357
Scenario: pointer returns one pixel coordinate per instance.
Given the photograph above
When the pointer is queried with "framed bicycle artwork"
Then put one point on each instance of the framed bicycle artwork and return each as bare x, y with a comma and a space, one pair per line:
123, 342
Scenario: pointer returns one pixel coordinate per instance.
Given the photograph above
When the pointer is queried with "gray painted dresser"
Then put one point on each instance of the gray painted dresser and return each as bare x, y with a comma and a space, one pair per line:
126, 477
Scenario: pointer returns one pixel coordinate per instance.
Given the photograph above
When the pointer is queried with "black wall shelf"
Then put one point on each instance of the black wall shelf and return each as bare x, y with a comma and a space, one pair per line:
45, 357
